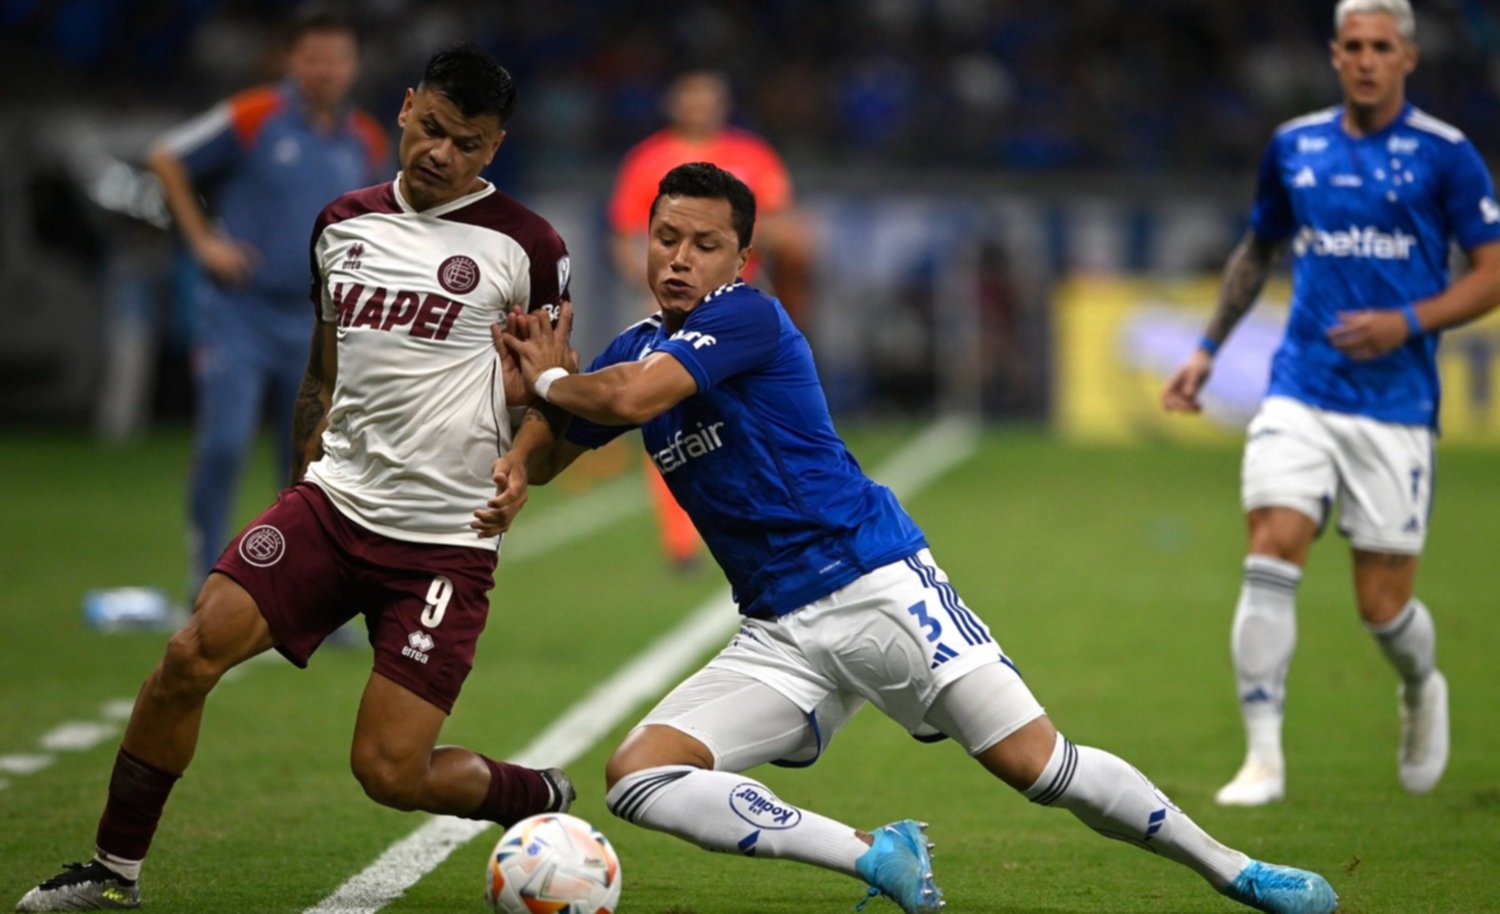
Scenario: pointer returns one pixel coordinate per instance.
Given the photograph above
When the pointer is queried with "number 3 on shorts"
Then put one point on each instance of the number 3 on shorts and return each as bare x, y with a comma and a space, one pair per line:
933, 626
439, 592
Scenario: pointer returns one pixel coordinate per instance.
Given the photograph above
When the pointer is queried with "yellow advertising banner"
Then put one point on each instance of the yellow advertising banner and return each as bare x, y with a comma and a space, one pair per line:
1118, 340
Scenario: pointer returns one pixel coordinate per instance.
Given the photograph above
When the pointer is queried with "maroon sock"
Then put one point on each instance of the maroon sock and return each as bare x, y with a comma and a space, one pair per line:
137, 793
515, 793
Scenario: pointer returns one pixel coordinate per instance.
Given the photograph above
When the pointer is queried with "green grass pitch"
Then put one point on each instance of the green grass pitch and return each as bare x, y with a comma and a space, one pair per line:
1108, 575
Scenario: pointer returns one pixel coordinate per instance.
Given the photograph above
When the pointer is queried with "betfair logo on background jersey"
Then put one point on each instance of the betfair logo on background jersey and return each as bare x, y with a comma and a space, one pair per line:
1368, 242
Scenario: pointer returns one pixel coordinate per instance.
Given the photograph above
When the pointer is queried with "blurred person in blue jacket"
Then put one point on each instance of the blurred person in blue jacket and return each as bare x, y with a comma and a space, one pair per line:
269, 157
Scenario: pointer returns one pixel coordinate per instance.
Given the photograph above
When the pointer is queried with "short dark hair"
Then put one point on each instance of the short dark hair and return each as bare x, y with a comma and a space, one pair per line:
705, 179
473, 80
319, 17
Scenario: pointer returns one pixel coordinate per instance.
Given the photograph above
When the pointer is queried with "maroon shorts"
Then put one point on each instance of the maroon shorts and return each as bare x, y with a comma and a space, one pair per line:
310, 569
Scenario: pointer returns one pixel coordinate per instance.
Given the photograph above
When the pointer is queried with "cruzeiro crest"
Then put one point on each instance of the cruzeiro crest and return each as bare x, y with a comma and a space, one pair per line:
458, 274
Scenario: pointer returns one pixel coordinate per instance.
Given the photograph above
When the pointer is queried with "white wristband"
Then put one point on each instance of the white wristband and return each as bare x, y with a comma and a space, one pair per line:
545, 379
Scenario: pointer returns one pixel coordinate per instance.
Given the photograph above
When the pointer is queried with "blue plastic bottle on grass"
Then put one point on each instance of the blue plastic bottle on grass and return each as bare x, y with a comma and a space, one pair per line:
114, 609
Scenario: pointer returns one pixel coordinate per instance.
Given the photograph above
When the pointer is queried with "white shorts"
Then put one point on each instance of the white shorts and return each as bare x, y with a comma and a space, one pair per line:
1301, 457
899, 638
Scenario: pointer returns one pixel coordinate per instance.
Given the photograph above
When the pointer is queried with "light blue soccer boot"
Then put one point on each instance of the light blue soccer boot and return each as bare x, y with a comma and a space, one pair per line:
899, 867
1282, 890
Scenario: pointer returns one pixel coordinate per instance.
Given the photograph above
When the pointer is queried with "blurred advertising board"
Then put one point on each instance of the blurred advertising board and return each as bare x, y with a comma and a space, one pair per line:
1118, 340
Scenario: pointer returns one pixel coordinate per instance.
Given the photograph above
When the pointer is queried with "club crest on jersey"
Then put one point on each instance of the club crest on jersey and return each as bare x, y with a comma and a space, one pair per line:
458, 274
262, 546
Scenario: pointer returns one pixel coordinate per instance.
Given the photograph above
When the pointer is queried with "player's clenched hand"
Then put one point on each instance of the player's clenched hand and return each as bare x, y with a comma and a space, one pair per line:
1183, 388
1366, 335
510, 497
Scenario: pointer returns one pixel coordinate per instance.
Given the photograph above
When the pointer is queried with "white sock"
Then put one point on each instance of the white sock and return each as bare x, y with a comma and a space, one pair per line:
1262, 641
1117, 801
129, 870
732, 813
1410, 643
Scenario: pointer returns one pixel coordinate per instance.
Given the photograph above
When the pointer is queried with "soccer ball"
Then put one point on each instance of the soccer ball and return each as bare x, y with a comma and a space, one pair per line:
553, 863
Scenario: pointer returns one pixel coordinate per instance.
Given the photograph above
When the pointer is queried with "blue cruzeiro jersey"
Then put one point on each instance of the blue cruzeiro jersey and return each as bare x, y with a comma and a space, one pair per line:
1370, 220
754, 459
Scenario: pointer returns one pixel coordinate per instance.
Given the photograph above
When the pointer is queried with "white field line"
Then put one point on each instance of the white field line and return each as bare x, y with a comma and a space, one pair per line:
942, 446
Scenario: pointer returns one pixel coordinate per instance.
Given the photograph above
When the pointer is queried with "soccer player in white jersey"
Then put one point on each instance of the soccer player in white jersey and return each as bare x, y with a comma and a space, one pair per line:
843, 603
1369, 195
401, 415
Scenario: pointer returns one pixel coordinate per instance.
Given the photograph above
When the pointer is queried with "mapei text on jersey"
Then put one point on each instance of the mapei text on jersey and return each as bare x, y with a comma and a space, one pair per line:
429, 316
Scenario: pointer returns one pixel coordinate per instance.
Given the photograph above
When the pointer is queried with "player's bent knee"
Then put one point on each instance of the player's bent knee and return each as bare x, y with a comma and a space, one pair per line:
386, 782
653, 746
185, 672
1021, 757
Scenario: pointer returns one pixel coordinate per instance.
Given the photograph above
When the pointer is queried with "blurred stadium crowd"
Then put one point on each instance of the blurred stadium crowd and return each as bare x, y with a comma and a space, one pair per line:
958, 159
1138, 85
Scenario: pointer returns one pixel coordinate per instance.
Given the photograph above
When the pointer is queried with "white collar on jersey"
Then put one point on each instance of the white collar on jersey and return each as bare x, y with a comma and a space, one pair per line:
448, 207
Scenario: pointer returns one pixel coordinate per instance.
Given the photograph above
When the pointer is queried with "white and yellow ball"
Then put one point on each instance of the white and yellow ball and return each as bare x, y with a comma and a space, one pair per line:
553, 863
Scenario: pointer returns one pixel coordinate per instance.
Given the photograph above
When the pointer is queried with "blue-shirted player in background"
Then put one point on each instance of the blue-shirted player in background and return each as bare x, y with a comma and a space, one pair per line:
270, 158
842, 601
1369, 196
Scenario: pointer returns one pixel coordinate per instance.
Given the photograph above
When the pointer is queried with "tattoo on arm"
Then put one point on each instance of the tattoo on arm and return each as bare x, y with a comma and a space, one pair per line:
1244, 276
310, 413
557, 419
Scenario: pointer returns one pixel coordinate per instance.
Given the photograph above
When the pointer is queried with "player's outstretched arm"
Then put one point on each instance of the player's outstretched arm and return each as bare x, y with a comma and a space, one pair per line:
1244, 276
1371, 334
537, 454
314, 398
628, 393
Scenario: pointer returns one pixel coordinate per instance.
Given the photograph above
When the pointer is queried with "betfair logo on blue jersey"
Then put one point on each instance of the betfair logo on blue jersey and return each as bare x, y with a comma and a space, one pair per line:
699, 340
687, 445
1368, 242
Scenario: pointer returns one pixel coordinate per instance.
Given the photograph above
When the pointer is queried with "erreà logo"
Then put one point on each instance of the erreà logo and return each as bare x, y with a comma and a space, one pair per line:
418, 647
685, 446
760, 808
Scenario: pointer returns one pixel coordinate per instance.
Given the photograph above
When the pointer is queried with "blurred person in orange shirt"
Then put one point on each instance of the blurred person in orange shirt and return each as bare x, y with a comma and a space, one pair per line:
697, 107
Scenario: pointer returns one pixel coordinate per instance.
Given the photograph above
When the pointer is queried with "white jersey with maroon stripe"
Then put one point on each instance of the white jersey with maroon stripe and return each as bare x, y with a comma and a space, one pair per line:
419, 412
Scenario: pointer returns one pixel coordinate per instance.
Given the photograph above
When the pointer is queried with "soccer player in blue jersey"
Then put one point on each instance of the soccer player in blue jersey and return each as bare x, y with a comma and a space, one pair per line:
270, 158
842, 602
1368, 195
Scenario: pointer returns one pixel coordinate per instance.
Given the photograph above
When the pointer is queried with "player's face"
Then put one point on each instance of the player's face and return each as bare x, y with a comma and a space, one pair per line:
324, 65
692, 249
1373, 61
442, 151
